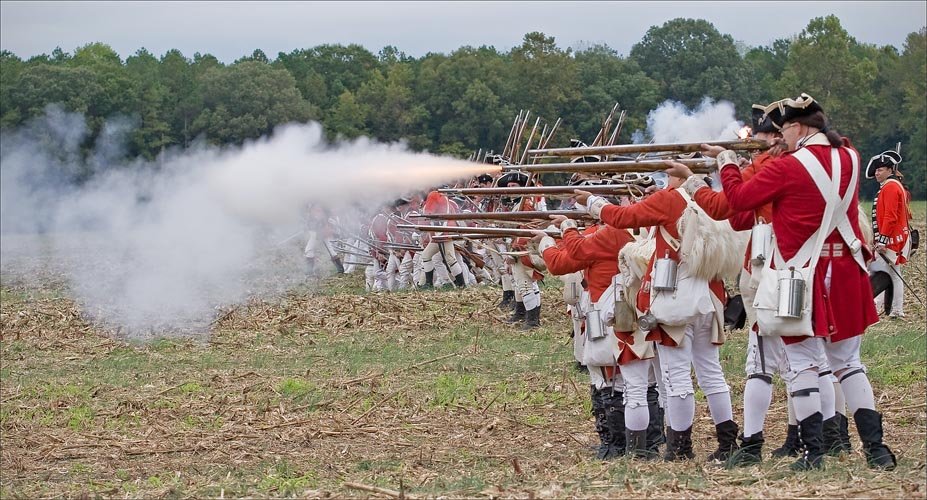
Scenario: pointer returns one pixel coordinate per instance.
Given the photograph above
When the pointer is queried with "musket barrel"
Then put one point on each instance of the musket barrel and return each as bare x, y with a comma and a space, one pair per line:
692, 147
698, 166
524, 215
541, 190
500, 231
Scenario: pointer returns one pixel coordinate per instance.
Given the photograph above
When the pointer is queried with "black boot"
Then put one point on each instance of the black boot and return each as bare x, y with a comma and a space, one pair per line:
601, 427
791, 447
869, 426
727, 441
678, 445
833, 444
532, 319
655, 435
614, 419
811, 433
459, 281
749, 453
429, 280
844, 432
637, 445
508, 300
580, 367
519, 315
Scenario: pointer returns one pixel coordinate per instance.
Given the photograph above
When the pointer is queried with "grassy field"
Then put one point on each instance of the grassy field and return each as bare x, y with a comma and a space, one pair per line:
330, 392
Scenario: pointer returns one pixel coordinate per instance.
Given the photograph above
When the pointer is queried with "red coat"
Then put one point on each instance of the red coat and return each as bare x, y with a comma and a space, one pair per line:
891, 217
595, 252
798, 206
663, 209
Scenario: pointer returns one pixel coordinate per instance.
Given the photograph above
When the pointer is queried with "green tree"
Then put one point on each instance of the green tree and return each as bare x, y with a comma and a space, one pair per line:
246, 101
11, 67
347, 118
825, 63
392, 113
912, 78
153, 132
692, 60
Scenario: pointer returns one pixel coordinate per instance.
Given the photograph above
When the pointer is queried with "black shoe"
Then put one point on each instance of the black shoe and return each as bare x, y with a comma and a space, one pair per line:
532, 319
869, 426
844, 431
749, 453
678, 445
614, 419
791, 447
637, 445
518, 315
811, 433
727, 441
655, 435
580, 367
459, 281
834, 444
508, 300
608, 408
429, 280
601, 427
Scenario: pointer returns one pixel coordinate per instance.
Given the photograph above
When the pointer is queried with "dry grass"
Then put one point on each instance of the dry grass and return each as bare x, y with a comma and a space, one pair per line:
347, 394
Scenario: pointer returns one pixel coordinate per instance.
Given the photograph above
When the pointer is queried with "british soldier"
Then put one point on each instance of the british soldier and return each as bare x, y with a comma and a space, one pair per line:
841, 305
890, 215
696, 342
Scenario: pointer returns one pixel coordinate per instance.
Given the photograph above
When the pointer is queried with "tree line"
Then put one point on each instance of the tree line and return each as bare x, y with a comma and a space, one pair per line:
456, 103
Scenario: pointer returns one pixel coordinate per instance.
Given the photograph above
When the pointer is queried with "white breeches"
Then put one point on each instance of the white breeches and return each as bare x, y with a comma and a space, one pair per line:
309, 250
449, 256
696, 350
526, 289
765, 356
636, 376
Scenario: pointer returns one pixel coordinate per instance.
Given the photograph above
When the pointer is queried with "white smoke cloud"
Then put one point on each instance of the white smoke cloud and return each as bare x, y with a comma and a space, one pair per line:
672, 122
157, 246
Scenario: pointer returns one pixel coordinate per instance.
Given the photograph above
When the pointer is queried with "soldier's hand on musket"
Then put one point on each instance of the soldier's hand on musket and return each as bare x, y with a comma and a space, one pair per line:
711, 151
777, 147
538, 236
558, 219
679, 170
581, 196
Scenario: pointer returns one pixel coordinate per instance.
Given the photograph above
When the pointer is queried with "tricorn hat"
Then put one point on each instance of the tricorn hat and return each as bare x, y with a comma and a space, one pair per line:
762, 121
519, 177
889, 159
483, 178
790, 109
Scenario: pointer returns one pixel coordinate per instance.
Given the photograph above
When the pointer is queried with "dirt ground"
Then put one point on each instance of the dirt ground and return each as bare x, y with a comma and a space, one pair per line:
330, 392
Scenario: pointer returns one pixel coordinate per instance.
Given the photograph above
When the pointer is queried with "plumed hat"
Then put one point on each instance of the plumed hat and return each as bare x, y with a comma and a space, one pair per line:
889, 159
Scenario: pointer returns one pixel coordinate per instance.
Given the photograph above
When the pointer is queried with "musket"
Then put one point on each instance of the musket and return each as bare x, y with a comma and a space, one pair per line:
468, 236
522, 215
608, 189
516, 145
611, 140
399, 246
696, 165
508, 142
892, 267
357, 263
496, 231
621, 149
530, 138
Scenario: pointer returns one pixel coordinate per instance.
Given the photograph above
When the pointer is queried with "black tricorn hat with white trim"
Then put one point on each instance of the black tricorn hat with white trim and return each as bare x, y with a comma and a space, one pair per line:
889, 159
761, 120
520, 178
791, 109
